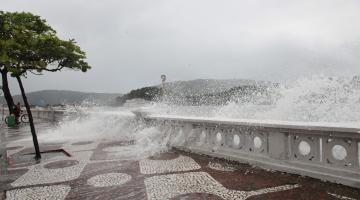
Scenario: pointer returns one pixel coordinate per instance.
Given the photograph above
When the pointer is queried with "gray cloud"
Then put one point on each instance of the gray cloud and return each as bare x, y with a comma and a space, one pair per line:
130, 43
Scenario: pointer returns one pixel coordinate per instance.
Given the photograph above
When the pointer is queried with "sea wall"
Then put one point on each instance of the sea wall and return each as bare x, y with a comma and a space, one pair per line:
48, 114
327, 153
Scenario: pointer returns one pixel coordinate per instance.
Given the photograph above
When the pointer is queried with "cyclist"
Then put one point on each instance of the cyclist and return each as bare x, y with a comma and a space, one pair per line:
17, 112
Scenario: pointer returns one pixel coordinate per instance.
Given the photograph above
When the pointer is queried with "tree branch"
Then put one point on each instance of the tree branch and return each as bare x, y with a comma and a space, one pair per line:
35, 73
59, 68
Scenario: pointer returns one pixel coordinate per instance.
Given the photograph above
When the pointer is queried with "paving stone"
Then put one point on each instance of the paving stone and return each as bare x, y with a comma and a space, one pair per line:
182, 163
109, 179
38, 174
55, 192
61, 164
220, 167
170, 186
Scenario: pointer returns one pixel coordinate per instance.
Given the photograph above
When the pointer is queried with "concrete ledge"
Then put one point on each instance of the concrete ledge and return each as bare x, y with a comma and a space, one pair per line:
47, 114
322, 152
302, 126
350, 179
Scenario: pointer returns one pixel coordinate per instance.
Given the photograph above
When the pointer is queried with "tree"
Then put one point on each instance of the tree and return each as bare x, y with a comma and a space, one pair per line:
29, 45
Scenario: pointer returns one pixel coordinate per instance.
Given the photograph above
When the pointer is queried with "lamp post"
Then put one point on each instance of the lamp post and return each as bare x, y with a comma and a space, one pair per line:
163, 79
3, 112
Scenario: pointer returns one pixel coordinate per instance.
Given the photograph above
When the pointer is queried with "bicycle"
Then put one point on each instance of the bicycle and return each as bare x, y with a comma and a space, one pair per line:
24, 118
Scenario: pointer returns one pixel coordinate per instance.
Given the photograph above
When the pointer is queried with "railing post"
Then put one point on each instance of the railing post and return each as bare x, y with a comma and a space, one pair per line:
278, 145
53, 115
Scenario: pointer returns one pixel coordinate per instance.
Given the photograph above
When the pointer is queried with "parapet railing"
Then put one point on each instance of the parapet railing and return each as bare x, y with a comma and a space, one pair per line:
46, 114
327, 153
52, 115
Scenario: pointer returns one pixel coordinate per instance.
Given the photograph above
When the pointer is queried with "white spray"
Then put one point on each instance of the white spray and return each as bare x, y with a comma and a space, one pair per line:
316, 99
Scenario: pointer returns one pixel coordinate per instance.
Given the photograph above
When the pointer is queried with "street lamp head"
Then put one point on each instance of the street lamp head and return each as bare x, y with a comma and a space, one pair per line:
163, 77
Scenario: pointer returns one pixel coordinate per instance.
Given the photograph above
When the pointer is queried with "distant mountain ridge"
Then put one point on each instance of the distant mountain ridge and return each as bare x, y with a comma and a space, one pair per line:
55, 97
197, 90
200, 91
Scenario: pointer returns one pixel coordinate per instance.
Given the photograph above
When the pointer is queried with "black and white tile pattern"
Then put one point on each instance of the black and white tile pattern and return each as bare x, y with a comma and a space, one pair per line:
340, 196
182, 163
54, 192
109, 179
170, 186
220, 167
38, 174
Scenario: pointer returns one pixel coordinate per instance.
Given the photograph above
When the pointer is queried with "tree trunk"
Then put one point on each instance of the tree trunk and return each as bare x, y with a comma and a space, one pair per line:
31, 121
6, 91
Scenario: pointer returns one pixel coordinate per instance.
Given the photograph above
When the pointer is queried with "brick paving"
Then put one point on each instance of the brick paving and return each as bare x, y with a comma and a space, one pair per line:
92, 172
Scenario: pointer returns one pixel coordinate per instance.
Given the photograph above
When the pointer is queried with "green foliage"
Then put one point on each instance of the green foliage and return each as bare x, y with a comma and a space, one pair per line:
147, 93
28, 44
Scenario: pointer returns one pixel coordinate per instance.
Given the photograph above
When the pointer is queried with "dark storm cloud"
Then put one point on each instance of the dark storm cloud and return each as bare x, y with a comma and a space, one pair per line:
130, 43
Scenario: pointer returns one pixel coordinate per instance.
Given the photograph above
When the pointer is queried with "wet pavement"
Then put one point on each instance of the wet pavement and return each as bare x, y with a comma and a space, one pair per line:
95, 171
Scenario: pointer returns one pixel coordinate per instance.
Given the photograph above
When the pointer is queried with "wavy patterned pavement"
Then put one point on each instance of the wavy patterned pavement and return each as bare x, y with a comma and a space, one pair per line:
94, 171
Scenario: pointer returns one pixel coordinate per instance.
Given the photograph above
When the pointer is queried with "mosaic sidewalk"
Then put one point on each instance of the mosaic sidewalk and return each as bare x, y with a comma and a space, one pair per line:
95, 172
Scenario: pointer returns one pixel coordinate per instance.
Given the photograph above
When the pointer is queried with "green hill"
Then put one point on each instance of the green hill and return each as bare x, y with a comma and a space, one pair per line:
55, 97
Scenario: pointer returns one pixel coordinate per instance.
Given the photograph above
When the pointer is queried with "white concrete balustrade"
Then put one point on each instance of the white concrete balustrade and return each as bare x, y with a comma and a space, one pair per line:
46, 114
327, 153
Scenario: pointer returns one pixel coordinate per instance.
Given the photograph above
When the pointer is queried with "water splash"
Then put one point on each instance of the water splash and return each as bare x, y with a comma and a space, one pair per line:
315, 99
104, 124
308, 99
333, 100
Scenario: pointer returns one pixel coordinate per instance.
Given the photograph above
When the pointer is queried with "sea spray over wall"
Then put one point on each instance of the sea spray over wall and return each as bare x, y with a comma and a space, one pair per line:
106, 125
324, 99
308, 99
315, 99
334, 100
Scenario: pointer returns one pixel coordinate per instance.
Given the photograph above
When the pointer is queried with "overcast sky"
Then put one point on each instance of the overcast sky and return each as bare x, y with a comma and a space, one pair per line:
130, 43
